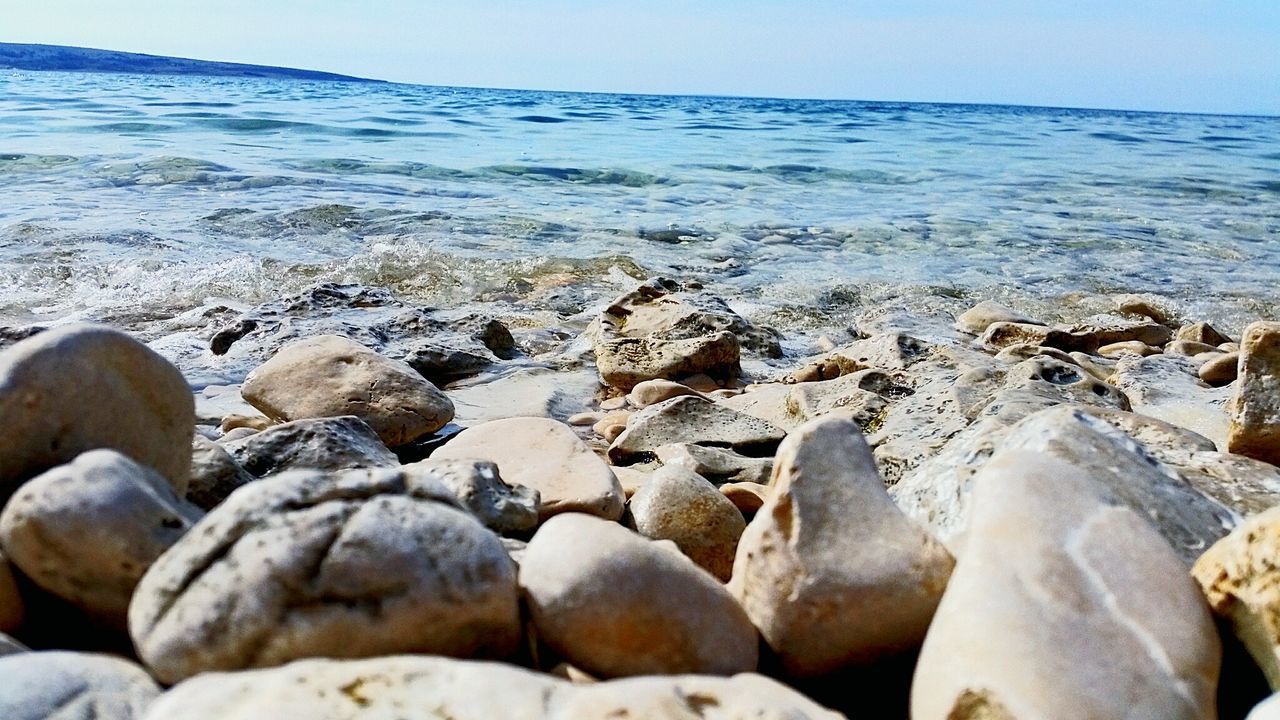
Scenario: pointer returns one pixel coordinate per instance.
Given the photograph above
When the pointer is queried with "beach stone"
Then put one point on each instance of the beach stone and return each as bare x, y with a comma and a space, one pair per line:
615, 604
9, 646
999, 335
1190, 348
336, 443
1060, 381
614, 418
634, 477
444, 361
1014, 354
78, 387
525, 392
665, 309
331, 376
697, 421
716, 464
214, 473
584, 419
883, 351
1202, 332
613, 403
88, 530
1255, 406
355, 563
767, 402
1112, 329
624, 363
547, 456
1127, 347
1229, 347
469, 690
1100, 368
681, 506
859, 396
253, 422
978, 318
501, 507
56, 685
830, 571
1168, 387
1220, 370
235, 434
12, 609
652, 392
748, 497
1152, 308
1064, 601
703, 383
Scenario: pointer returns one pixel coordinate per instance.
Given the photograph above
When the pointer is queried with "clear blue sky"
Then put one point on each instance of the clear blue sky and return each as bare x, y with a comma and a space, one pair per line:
1192, 55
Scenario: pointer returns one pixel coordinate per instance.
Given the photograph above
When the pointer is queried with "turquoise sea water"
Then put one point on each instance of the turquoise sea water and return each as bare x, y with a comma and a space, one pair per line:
140, 197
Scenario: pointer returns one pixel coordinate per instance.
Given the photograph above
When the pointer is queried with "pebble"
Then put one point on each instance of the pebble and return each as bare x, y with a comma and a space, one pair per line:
1220, 370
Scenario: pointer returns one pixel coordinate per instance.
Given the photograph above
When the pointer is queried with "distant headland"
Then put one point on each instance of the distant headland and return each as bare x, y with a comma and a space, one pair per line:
21, 56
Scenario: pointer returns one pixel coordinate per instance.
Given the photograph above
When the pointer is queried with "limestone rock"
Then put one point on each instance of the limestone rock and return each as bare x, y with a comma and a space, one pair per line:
1000, 335
1127, 347
1255, 407
331, 376
748, 497
1190, 348
336, 443
544, 455
311, 564
978, 318
88, 530
829, 570
1111, 329
501, 507
885, 351
1064, 601
614, 604
715, 464
1150, 307
79, 387
767, 402
214, 473
12, 609
697, 421
664, 309
652, 392
681, 506
1220, 370
624, 363
1015, 354
58, 685
1202, 332
1168, 387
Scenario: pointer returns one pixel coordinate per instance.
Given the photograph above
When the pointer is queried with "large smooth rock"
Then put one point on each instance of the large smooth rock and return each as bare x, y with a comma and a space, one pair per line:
312, 564
697, 421
830, 571
1168, 387
1065, 603
73, 686
683, 507
214, 473
331, 376
88, 530
501, 507
978, 318
337, 443
999, 335
545, 455
79, 387
12, 609
615, 604
1255, 407
1202, 332
425, 688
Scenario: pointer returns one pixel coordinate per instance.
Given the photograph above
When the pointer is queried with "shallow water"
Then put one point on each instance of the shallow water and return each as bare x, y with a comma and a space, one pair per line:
133, 198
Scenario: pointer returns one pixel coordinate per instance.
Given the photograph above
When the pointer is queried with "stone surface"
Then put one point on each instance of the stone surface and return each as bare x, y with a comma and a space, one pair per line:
1202, 332
501, 507
1255, 406
1111, 329
697, 421
468, 690
829, 570
748, 497
12, 609
1127, 347
73, 686
624, 363
1168, 387
336, 443
1003, 334
683, 507
716, 464
547, 456
331, 376
978, 318
1190, 348
79, 387
351, 564
1220, 370
214, 473
1064, 603
615, 604
652, 392
88, 530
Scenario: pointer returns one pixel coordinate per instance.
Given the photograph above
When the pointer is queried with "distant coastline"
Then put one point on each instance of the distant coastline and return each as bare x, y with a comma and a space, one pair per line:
22, 56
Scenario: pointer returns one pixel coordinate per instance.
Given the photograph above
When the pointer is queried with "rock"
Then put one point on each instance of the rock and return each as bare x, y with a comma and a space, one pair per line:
829, 570
501, 507
1241, 580
73, 686
1190, 348
634, 477
1127, 347
717, 465
1060, 381
1100, 368
468, 690
859, 396
79, 387
88, 530
1014, 354
624, 363
748, 497
665, 309
214, 473
614, 403
615, 604
1168, 387
885, 351
336, 443
1147, 307
1220, 370
1003, 334
767, 402
978, 318
9, 646
547, 456
12, 609
235, 434
1111, 329
615, 418
704, 383
331, 376
312, 564
681, 506
253, 422
1255, 406
1202, 332
697, 421
652, 392
1064, 599
1269, 709
525, 392
584, 419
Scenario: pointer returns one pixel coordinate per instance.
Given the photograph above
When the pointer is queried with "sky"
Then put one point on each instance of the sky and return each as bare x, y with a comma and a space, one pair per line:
1178, 55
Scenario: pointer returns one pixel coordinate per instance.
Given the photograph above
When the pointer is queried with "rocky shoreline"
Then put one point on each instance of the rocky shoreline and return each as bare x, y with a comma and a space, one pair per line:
658, 509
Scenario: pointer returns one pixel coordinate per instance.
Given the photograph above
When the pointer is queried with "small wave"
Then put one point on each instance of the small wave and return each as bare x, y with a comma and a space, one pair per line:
1117, 137
130, 127
540, 119
193, 104
626, 178
256, 124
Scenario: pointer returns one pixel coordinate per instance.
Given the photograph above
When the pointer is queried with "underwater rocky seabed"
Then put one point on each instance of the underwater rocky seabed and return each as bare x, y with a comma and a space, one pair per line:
645, 506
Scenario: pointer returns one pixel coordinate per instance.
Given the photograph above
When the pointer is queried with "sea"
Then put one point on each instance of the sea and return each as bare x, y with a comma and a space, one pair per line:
133, 199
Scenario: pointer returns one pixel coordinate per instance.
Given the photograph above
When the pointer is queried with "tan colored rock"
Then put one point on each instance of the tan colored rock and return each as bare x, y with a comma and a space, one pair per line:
1064, 601
767, 402
1229, 347
652, 392
547, 456
56, 685
705, 384
634, 477
978, 318
1202, 332
830, 571
885, 351
624, 363
235, 434
681, 506
584, 419
693, 420
1128, 347
12, 609
1220, 370
1148, 307
748, 497
331, 376
1255, 406
611, 419
1003, 334
214, 473
1110, 329
1015, 354
356, 563
88, 530
1168, 387
253, 422
1100, 368
1190, 348
615, 604
79, 387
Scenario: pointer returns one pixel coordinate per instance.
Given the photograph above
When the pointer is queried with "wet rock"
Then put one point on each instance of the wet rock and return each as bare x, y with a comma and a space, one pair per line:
624, 363
978, 318
12, 609
1064, 598
88, 530
257, 423
10, 335
829, 570
1190, 348
1202, 332
501, 507
1000, 335
652, 392
615, 604
312, 564
681, 506
1168, 387
214, 473
1128, 347
527, 392
1152, 308
885, 351
767, 402
715, 464
81, 387
330, 376
547, 456
1220, 370
1112, 329
66, 685
1051, 379
696, 421
1255, 406
335, 443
